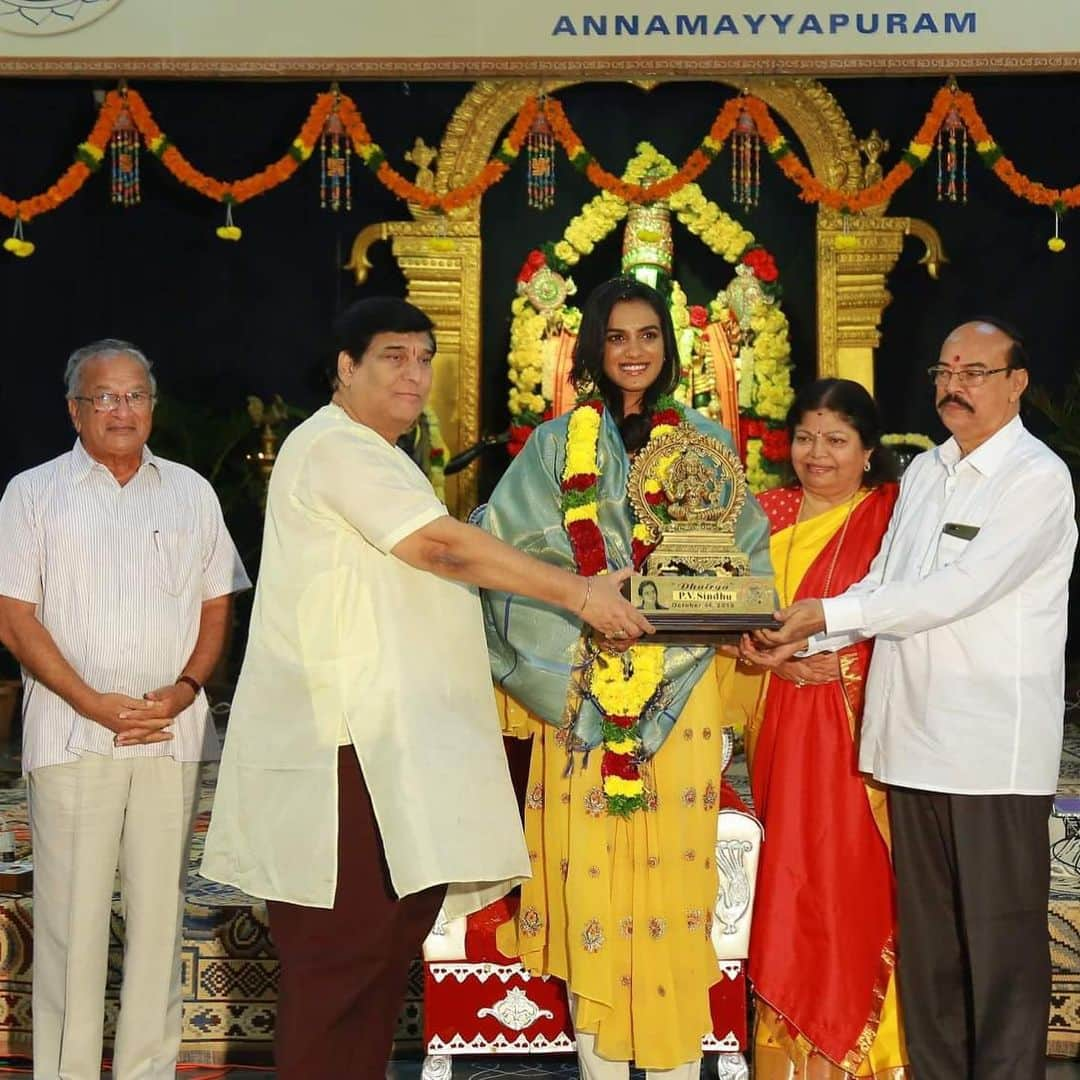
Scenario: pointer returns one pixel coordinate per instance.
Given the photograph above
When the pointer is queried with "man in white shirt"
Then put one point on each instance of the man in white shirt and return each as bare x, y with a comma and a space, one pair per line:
116, 575
967, 600
364, 778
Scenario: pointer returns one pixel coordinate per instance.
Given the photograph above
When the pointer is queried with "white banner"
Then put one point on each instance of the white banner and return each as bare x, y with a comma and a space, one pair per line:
489, 38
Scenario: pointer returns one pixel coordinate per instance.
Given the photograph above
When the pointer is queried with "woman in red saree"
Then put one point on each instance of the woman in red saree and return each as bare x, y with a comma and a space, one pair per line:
822, 945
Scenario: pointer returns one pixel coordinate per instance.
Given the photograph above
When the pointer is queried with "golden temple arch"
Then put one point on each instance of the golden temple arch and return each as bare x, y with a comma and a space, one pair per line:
441, 258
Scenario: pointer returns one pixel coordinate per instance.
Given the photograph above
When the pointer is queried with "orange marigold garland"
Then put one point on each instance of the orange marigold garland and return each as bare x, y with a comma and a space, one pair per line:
88, 158
994, 159
90, 153
813, 190
696, 163
235, 191
374, 158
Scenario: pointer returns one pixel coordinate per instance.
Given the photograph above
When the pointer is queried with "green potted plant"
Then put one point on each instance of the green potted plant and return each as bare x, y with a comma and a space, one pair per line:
1063, 412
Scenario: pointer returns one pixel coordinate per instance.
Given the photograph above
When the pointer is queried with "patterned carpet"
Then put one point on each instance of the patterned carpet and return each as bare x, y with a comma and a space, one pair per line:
229, 965
230, 968
1064, 1036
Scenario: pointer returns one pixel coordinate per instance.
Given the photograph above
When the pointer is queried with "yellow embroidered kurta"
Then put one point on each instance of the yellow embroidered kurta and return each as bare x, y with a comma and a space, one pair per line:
620, 909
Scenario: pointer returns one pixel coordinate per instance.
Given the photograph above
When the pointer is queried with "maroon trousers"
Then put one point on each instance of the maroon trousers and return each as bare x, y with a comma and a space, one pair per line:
973, 951
344, 969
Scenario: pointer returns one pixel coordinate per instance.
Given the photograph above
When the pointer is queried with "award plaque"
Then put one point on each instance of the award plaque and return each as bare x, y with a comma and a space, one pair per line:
696, 587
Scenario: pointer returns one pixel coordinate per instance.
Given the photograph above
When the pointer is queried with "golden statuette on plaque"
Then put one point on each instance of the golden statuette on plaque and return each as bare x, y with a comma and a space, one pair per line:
696, 587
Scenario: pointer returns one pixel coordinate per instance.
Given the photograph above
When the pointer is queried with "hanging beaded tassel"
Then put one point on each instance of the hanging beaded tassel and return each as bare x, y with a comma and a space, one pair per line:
124, 158
745, 162
540, 148
952, 148
335, 171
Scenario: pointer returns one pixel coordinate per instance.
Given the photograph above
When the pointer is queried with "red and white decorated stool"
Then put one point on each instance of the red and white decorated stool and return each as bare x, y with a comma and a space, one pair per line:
478, 1001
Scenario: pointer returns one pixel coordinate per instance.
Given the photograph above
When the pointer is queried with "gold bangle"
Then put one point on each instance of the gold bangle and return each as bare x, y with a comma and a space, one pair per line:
588, 593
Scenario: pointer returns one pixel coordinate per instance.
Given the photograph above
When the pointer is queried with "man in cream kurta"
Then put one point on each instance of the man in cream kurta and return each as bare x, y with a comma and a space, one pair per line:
349, 645
363, 770
363, 778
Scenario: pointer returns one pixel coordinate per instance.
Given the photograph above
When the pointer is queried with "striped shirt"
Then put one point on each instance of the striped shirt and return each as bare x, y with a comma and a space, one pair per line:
119, 575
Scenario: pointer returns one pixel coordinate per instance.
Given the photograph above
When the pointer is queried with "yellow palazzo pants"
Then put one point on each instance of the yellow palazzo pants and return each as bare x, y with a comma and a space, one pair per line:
621, 909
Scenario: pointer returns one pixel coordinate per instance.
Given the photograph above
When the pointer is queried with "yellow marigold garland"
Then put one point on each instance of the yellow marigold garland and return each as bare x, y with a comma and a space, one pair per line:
908, 438
621, 685
438, 454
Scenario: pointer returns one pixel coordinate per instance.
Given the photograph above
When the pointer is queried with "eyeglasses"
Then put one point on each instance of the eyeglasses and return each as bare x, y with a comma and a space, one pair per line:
137, 400
941, 375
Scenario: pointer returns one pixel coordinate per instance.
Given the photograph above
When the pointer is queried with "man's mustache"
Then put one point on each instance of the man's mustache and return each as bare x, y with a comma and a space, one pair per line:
952, 399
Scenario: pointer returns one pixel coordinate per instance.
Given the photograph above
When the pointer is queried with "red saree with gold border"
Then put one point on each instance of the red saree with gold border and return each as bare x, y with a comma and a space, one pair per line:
821, 952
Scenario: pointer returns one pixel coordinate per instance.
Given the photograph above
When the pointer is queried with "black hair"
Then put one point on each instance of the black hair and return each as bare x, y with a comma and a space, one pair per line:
361, 321
852, 401
1017, 356
589, 354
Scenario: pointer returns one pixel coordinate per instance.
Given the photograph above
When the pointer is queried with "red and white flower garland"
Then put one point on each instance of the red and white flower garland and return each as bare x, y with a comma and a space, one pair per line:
623, 685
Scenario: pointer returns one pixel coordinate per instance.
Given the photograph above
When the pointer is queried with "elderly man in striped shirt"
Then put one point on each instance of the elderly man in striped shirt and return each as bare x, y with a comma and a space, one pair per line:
116, 577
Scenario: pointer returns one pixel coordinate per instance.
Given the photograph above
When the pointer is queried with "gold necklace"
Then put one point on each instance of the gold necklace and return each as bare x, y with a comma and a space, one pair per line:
787, 597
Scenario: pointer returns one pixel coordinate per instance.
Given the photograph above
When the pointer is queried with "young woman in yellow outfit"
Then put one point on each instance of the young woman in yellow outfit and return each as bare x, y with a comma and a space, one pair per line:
624, 785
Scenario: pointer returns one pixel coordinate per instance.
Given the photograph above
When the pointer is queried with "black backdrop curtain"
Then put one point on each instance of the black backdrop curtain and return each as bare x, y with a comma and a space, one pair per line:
223, 320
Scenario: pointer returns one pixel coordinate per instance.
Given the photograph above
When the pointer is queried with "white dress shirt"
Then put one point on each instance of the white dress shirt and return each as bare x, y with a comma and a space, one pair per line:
119, 574
967, 600
345, 636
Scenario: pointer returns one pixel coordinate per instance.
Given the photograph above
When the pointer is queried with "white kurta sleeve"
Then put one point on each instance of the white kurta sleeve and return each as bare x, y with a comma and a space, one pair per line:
1008, 548
843, 614
371, 488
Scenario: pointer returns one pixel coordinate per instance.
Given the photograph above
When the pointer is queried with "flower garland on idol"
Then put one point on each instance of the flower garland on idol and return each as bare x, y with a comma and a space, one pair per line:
761, 350
621, 686
435, 466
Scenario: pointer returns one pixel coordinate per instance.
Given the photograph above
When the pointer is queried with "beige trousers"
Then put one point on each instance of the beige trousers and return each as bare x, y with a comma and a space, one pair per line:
594, 1067
87, 819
